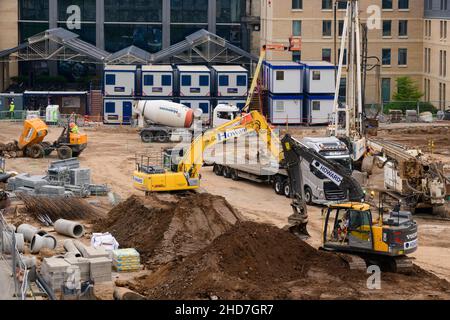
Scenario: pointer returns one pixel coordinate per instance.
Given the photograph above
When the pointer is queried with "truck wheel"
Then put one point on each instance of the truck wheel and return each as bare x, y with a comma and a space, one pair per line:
278, 185
218, 170
36, 151
162, 137
64, 153
234, 175
227, 172
146, 137
308, 195
287, 188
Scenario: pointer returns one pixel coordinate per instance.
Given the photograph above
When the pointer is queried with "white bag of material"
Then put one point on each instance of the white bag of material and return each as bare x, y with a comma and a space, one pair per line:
104, 240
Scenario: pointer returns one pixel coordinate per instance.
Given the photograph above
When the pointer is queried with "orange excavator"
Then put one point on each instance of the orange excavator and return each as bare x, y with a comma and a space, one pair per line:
32, 143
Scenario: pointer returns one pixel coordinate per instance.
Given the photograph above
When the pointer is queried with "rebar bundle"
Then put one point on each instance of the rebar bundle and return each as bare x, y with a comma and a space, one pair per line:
48, 210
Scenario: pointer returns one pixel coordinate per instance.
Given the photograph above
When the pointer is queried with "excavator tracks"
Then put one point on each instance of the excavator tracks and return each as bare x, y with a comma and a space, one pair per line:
386, 264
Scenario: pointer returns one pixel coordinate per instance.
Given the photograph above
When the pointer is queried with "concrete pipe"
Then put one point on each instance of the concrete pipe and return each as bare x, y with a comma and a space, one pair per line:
40, 242
71, 248
29, 231
7, 242
69, 228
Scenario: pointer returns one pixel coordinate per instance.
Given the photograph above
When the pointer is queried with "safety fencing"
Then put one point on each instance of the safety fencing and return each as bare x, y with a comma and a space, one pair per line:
10, 244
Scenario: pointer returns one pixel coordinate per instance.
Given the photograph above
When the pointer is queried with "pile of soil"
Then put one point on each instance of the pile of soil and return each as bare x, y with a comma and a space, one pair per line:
163, 231
257, 261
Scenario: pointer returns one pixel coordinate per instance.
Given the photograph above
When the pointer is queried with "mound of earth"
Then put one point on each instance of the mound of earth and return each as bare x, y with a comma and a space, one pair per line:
163, 231
256, 261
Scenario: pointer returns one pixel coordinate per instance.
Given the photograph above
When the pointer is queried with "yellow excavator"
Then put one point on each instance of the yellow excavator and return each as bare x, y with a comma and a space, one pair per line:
349, 227
32, 143
186, 174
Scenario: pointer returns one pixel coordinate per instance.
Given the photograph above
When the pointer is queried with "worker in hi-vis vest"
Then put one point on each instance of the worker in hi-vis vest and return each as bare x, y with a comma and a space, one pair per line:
12, 106
74, 128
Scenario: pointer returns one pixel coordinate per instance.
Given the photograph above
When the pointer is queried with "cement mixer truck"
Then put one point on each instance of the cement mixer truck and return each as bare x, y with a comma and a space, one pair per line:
165, 121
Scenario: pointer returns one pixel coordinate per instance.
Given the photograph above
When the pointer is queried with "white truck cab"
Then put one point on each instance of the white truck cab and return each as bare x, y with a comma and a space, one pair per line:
224, 113
318, 188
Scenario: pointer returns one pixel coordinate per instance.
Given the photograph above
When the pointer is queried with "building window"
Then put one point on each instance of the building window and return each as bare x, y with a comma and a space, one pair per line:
386, 57
186, 80
327, 4
387, 28
205, 107
33, 10
340, 27
316, 75
110, 107
296, 28
402, 57
342, 5
87, 8
189, 11
386, 89
130, 11
403, 28
297, 4
444, 4
230, 11
241, 81
387, 4
296, 56
443, 63
344, 61
145, 36
403, 4
166, 80
443, 29
110, 79
343, 88
280, 76
148, 80
224, 81
316, 105
326, 28
326, 54
204, 81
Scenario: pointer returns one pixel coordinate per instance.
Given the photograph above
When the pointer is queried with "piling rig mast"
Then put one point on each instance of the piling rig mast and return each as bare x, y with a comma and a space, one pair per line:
347, 123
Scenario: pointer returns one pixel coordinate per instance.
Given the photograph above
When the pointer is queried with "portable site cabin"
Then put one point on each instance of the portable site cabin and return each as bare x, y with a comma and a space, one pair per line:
120, 81
157, 81
285, 109
194, 81
203, 104
230, 81
118, 110
283, 77
318, 108
240, 103
319, 77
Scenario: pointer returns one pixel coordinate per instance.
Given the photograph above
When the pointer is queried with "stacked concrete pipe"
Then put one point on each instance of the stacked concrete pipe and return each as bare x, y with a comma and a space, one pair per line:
40, 242
71, 249
69, 228
7, 240
29, 231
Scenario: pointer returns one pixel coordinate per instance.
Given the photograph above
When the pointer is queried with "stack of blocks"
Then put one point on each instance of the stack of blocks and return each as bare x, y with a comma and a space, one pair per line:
83, 264
55, 272
100, 269
126, 260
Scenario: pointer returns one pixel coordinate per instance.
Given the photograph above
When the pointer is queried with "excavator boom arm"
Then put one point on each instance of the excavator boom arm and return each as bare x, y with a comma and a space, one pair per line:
192, 160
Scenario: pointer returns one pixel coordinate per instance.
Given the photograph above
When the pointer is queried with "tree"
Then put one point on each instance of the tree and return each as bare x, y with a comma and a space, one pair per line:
408, 97
407, 91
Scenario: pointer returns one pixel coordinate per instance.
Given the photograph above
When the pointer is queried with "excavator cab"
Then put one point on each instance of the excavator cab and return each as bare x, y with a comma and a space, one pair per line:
350, 230
348, 226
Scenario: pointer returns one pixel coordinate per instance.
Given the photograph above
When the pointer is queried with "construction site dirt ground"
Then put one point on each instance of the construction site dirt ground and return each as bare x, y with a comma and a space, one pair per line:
111, 156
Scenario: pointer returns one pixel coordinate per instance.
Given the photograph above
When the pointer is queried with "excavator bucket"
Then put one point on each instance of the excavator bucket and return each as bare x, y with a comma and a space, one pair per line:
298, 221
